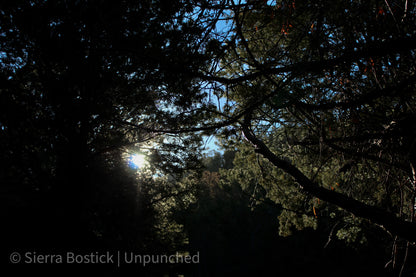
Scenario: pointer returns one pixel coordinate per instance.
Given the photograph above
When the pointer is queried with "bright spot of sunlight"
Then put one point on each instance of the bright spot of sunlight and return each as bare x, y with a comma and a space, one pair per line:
137, 161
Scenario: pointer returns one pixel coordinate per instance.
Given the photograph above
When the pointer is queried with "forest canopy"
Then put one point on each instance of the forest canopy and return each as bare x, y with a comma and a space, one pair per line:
312, 102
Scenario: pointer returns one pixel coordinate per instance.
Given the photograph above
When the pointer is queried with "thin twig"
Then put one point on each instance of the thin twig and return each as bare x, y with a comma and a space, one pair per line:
331, 234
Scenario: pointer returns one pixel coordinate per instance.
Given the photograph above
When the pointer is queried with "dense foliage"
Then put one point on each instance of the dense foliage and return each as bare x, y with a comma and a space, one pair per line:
85, 83
314, 99
325, 93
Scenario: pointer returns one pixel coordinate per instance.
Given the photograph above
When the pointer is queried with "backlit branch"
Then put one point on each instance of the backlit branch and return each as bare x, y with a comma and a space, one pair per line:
378, 216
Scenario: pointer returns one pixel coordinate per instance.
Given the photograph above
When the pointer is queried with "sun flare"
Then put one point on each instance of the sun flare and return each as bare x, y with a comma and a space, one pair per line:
138, 160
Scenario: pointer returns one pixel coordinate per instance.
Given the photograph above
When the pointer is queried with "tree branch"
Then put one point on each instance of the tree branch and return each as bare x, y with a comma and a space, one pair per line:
373, 50
367, 98
378, 216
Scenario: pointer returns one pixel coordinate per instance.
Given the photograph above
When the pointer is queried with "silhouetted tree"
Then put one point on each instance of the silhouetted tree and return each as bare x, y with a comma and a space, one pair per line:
330, 85
82, 83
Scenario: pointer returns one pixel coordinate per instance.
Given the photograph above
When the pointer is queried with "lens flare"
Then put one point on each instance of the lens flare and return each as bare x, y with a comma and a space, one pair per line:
137, 161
